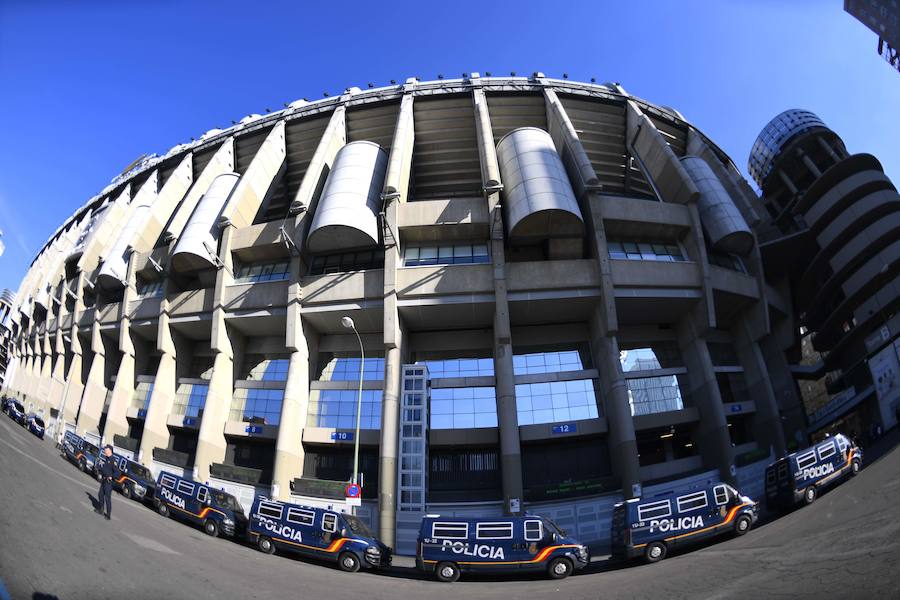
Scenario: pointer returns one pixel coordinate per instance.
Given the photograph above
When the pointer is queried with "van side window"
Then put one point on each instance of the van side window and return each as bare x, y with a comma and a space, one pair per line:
202, 494
273, 510
329, 522
654, 510
186, 488
842, 443
450, 531
534, 531
782, 470
770, 476
494, 531
721, 493
300, 516
167, 481
826, 450
807, 459
690, 502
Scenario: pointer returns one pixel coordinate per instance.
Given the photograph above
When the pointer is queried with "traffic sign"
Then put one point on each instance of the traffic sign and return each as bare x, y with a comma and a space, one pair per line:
353, 490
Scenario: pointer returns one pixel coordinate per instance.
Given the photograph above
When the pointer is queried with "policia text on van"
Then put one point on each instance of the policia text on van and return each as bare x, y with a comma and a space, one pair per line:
215, 510
799, 477
448, 546
316, 533
650, 527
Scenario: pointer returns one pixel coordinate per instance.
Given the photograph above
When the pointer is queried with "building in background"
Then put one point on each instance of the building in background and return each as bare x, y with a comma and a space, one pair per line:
831, 248
558, 282
882, 17
7, 299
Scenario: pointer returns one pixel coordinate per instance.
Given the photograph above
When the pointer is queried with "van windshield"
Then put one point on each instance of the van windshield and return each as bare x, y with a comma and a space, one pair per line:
553, 527
141, 471
357, 526
39, 422
89, 447
227, 501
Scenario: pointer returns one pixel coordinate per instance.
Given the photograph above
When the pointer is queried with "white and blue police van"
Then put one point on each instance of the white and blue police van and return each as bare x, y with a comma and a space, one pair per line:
16, 412
216, 511
450, 546
652, 526
80, 452
316, 533
36, 425
134, 480
800, 476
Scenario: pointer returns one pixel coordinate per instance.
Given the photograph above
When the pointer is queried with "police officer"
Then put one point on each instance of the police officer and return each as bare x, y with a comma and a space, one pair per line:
108, 472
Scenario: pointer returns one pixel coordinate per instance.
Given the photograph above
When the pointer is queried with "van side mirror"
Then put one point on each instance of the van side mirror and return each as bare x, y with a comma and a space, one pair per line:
344, 532
554, 536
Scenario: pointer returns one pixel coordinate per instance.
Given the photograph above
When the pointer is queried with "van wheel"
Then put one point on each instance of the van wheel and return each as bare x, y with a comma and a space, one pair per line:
265, 545
742, 525
210, 528
163, 509
809, 496
447, 572
559, 568
655, 552
82, 465
349, 562
854, 468
126, 491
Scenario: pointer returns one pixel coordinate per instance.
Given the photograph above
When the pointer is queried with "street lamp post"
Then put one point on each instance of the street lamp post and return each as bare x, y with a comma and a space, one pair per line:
348, 323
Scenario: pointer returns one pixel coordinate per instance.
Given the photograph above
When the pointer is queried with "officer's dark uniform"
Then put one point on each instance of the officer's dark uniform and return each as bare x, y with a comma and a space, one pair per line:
108, 472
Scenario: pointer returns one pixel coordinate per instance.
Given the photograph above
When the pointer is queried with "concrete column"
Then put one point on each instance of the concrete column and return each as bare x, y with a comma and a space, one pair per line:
712, 435
394, 340
333, 139
766, 421
396, 181
95, 386
487, 151
253, 187
659, 163
43, 390
211, 439
156, 432
507, 413
221, 162
622, 441
74, 387
58, 376
790, 404
123, 391
289, 453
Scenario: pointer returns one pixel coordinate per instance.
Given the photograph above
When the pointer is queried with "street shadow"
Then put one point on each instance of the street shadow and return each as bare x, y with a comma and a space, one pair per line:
42, 596
95, 502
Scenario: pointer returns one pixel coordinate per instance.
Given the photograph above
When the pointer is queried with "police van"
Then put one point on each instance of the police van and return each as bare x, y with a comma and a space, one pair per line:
36, 425
16, 412
317, 533
216, 511
651, 527
134, 480
449, 546
799, 477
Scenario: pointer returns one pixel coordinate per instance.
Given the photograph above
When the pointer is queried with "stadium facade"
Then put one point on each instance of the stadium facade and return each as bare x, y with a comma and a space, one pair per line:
561, 291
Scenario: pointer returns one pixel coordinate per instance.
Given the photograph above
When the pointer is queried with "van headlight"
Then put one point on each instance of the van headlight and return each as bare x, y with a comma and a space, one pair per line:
229, 522
373, 554
139, 489
582, 553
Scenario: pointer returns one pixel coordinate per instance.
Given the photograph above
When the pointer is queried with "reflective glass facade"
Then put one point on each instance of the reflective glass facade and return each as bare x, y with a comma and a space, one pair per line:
446, 254
459, 367
190, 399
548, 362
463, 408
347, 369
258, 272
337, 409
256, 405
556, 401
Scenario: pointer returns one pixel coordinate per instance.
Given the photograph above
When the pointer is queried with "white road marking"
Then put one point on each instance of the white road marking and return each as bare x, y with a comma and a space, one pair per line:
64, 509
148, 543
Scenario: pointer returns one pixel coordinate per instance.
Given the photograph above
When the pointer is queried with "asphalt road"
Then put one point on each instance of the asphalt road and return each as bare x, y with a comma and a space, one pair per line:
52, 545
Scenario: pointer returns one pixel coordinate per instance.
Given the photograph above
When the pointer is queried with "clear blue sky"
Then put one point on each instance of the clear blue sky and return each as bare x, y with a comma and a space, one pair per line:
88, 86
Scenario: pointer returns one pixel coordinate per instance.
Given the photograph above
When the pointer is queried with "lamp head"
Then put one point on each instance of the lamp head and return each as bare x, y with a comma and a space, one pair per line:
348, 323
